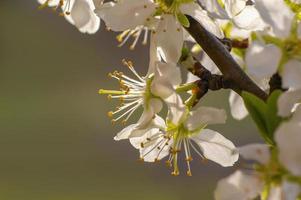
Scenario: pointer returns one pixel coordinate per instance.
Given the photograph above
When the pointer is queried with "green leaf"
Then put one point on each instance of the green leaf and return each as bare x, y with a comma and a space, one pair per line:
257, 109
264, 114
272, 119
183, 19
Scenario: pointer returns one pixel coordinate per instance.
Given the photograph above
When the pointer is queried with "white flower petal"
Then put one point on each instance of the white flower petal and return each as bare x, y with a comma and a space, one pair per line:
290, 190
167, 76
234, 7
126, 14
216, 147
297, 115
154, 56
238, 186
209, 64
275, 193
83, 16
195, 11
287, 102
262, 60
291, 75
288, 137
277, 14
50, 3
169, 38
256, 152
176, 108
214, 8
151, 152
136, 141
191, 78
204, 116
237, 106
249, 19
136, 130
125, 133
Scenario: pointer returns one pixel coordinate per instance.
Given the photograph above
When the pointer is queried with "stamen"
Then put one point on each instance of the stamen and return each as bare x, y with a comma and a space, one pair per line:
44, 5
158, 144
135, 33
136, 36
188, 158
196, 150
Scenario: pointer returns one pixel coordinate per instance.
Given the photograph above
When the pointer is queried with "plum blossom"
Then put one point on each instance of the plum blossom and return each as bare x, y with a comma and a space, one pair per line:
164, 19
276, 174
288, 137
243, 14
79, 13
185, 130
145, 92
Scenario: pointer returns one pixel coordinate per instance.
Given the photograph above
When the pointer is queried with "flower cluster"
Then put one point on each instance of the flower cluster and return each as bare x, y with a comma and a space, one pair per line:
262, 38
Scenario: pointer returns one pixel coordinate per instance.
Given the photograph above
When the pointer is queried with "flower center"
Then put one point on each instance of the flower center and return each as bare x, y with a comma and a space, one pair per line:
292, 48
171, 6
132, 93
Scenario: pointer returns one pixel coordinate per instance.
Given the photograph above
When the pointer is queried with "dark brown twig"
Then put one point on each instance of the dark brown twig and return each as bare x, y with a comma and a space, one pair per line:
223, 59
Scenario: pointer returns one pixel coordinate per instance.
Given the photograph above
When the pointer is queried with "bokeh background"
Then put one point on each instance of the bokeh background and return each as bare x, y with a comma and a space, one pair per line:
56, 142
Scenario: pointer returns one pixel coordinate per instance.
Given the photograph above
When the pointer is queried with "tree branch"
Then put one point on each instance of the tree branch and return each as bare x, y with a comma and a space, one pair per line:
223, 59
213, 81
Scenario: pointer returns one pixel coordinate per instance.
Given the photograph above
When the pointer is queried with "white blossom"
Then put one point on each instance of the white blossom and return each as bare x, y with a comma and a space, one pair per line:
267, 179
135, 16
142, 91
186, 130
80, 13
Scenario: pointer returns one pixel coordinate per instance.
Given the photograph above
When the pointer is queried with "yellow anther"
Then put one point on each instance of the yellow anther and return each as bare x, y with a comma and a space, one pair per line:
110, 114
166, 137
123, 122
189, 159
109, 97
132, 47
168, 163
44, 5
189, 173
113, 121
121, 100
127, 63
121, 36
175, 173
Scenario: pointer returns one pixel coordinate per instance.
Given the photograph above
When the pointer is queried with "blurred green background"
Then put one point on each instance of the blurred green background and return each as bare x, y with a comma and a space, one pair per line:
56, 142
